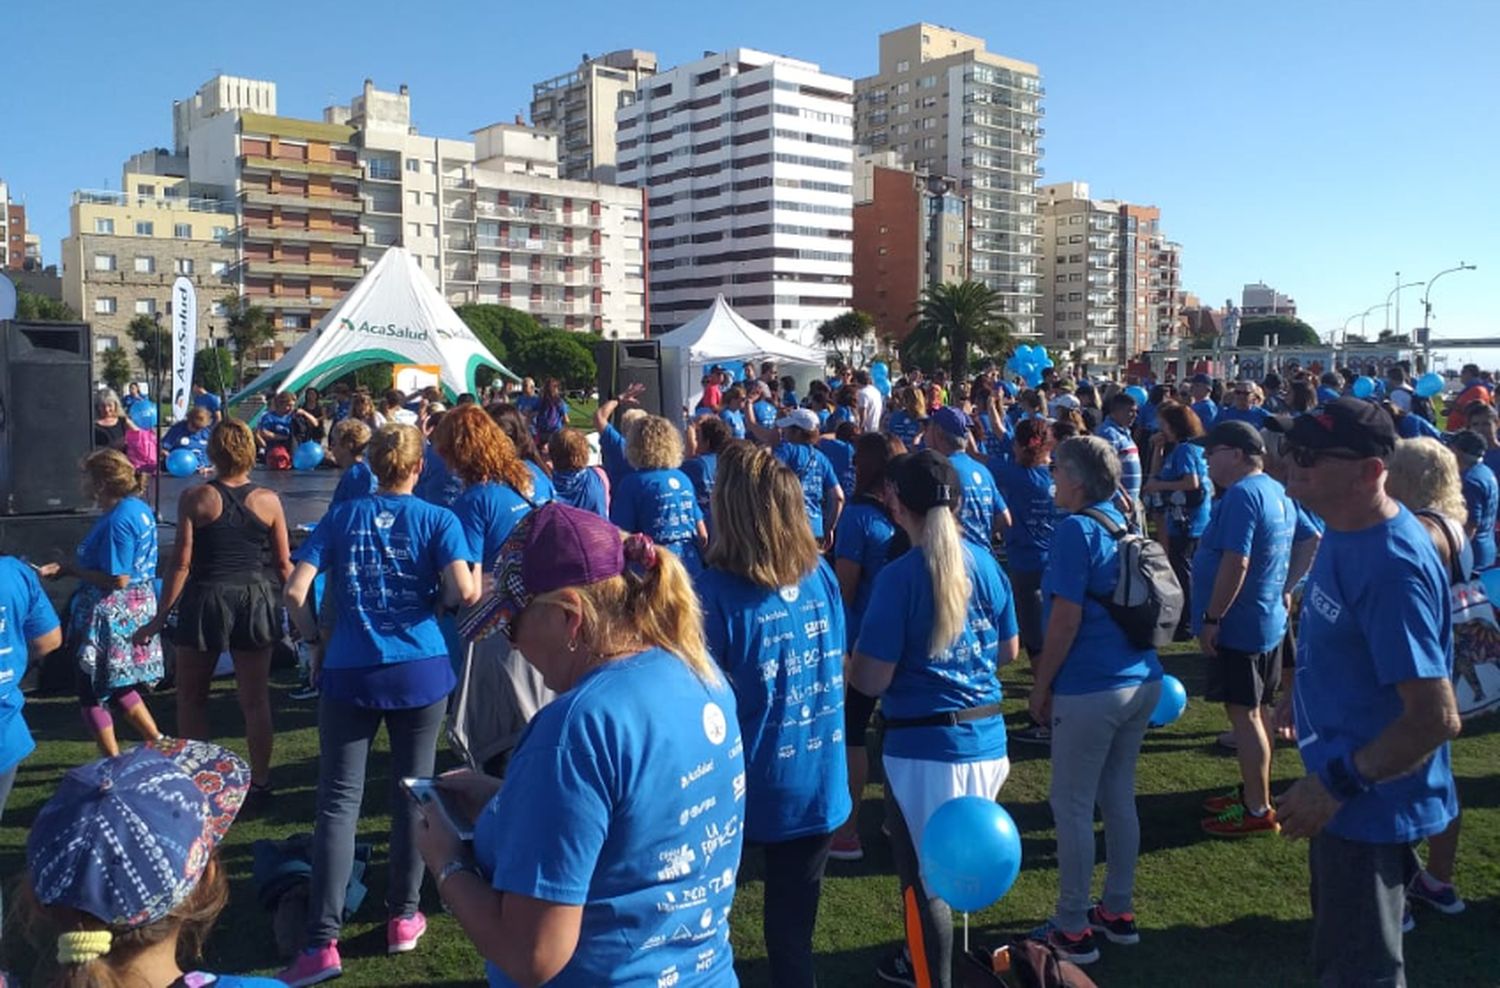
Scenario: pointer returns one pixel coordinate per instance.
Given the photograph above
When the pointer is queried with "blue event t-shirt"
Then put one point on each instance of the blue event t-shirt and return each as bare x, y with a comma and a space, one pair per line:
817, 476
663, 505
841, 457
895, 629
279, 426
1187, 460
1255, 415
542, 490
1256, 519
208, 400
1206, 411
904, 427
384, 556
765, 414
487, 514
1082, 567
202, 979
180, 437
122, 542
700, 470
641, 769
357, 481
612, 454
863, 536
1029, 492
1482, 496
25, 614
1120, 438
582, 489
735, 420
1376, 613
1411, 426
981, 499
437, 485
1491, 459
783, 651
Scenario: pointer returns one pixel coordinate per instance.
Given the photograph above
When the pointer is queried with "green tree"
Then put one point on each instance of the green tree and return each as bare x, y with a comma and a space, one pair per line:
556, 353
31, 307
115, 369
1288, 330
249, 328
953, 319
500, 328
213, 368
153, 345
377, 378
846, 329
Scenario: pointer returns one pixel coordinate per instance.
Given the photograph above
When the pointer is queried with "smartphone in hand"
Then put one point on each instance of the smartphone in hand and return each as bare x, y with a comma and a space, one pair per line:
425, 793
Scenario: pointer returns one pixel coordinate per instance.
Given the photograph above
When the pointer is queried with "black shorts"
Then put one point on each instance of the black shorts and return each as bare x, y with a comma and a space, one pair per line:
858, 709
222, 617
1245, 679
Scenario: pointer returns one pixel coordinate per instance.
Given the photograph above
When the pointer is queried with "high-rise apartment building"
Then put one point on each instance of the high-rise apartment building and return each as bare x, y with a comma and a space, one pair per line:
580, 108
910, 231
746, 159
949, 107
1260, 299
12, 231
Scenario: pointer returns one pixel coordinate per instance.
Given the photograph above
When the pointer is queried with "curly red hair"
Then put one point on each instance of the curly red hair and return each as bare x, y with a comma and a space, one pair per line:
478, 451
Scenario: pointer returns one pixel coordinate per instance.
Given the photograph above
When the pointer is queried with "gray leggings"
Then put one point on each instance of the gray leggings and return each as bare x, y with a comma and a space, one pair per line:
1096, 738
7, 780
345, 733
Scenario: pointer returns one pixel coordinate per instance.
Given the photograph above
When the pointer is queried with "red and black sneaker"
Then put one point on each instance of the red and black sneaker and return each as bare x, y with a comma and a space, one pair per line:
1116, 928
1079, 948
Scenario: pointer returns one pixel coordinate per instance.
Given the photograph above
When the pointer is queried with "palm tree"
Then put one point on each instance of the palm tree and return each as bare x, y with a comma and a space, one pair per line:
846, 328
249, 328
955, 317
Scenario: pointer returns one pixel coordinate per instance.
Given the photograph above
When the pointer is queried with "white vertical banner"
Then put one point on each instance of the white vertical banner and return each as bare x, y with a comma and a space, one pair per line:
184, 345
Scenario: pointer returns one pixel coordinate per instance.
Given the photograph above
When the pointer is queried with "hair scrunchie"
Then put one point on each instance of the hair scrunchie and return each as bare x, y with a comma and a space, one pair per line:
83, 946
640, 551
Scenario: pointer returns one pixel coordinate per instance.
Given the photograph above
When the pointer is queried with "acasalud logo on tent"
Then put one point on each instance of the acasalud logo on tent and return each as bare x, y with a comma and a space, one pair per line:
382, 329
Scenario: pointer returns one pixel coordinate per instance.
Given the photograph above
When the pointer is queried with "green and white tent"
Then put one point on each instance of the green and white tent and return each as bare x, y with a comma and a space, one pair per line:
393, 315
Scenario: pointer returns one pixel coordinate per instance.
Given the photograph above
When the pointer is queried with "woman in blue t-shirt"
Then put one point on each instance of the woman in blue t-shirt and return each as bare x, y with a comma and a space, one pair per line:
609, 856
707, 437
939, 624
190, 434
774, 623
1187, 495
1024, 479
577, 484
658, 499
1097, 691
115, 567
909, 418
839, 448
392, 561
513, 424
273, 431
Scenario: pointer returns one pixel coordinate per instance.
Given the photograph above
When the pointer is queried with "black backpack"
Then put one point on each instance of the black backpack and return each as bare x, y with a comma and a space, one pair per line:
1147, 601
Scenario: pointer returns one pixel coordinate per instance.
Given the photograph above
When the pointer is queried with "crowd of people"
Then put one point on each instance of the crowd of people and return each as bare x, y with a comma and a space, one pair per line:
654, 665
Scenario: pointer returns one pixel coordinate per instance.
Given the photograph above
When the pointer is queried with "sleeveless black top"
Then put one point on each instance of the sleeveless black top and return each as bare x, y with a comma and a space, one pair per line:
234, 547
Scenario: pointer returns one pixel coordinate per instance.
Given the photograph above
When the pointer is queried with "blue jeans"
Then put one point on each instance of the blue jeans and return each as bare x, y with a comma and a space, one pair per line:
345, 733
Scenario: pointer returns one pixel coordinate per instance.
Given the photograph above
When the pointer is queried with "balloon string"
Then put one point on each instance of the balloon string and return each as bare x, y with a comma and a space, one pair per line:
966, 933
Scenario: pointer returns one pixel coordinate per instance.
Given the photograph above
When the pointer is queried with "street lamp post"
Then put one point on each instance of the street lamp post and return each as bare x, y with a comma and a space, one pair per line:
1363, 315
1427, 295
1396, 293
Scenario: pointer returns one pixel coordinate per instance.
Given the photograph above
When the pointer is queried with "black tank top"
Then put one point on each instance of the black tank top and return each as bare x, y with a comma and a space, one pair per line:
234, 547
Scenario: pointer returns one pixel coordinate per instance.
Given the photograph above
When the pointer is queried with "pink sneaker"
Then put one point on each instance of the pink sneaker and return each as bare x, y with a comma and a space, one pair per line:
313, 966
403, 932
846, 849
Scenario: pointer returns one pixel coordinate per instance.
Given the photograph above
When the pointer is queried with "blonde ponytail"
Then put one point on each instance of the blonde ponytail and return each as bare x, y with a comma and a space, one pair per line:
948, 570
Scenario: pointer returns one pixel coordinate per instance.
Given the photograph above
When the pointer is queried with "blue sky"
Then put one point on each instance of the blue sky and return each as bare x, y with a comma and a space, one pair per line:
1320, 146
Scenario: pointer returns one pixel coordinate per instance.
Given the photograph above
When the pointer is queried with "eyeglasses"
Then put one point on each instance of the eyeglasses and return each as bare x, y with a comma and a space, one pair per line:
1305, 456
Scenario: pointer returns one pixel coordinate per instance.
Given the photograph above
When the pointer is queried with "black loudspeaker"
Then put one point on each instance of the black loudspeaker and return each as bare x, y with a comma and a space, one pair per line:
46, 416
626, 362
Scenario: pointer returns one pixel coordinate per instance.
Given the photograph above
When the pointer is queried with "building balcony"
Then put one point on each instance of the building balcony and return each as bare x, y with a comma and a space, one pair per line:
256, 266
464, 245
458, 184
461, 274
291, 301
379, 207
257, 234
258, 197
459, 214
378, 172
259, 163
550, 217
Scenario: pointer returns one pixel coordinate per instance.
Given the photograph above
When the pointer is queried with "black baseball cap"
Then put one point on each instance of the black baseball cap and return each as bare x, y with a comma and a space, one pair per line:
924, 480
1235, 435
1465, 442
1362, 427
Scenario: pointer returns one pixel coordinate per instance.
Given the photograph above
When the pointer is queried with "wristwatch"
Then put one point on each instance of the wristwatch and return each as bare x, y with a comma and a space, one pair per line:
1211, 620
452, 868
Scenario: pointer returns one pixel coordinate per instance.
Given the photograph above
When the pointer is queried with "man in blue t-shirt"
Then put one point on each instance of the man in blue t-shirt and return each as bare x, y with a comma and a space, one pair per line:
1481, 495
1373, 700
1117, 430
1240, 408
1200, 386
982, 512
1238, 596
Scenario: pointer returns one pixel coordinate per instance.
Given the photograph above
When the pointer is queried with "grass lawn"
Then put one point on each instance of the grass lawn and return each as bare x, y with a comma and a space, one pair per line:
1211, 911
581, 414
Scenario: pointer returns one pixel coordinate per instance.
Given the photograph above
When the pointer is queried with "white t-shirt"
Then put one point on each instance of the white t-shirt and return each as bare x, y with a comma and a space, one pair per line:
1401, 398
871, 405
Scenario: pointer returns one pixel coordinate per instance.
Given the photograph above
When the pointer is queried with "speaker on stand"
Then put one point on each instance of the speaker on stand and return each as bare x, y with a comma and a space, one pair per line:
625, 362
46, 416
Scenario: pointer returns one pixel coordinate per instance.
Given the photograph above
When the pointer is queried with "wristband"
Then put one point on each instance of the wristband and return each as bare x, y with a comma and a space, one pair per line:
453, 868
1211, 620
1341, 778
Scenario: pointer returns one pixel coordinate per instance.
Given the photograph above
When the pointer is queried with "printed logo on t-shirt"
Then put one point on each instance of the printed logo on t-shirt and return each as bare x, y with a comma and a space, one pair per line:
674, 483
715, 727
385, 520
977, 478
1328, 608
789, 594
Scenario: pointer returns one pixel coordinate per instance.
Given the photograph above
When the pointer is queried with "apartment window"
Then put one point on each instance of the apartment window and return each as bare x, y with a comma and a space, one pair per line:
1075, 220
902, 129
104, 226
1062, 241
903, 107
432, 230
1075, 296
145, 265
416, 198
903, 66
927, 82
1075, 258
104, 306
104, 262
293, 320
182, 231
1075, 276
1076, 238
219, 309
413, 165
145, 190
221, 233
145, 306
145, 228
184, 265
1062, 296
218, 268
415, 230
903, 88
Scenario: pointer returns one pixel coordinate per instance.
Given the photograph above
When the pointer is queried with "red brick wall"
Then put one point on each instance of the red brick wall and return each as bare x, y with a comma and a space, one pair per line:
888, 262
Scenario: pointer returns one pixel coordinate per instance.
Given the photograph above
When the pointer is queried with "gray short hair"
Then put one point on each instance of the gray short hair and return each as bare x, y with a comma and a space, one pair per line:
104, 398
1092, 462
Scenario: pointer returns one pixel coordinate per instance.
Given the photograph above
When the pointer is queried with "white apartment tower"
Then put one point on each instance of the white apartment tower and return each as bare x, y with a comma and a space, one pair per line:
579, 108
949, 107
747, 160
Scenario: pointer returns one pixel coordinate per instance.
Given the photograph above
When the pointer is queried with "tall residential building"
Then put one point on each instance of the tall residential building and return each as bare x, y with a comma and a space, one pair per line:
12, 231
580, 108
910, 231
1260, 299
33, 252
124, 249
746, 159
949, 107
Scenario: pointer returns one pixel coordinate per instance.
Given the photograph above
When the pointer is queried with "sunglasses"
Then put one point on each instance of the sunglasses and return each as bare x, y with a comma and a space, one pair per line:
1305, 456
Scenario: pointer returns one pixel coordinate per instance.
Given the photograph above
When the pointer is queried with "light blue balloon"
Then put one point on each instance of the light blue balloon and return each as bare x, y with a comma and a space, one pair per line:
1491, 580
182, 463
879, 369
971, 852
883, 385
1138, 393
1172, 703
1428, 385
143, 414
1363, 387
1032, 376
307, 456
1046, 363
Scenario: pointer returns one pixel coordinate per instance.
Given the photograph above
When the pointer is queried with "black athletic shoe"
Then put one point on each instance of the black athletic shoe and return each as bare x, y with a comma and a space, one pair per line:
1036, 734
1116, 929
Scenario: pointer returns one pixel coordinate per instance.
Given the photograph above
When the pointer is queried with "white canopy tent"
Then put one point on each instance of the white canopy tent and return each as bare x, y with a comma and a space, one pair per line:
719, 335
393, 315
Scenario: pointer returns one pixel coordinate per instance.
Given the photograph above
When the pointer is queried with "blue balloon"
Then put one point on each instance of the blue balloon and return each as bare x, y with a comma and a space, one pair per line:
143, 414
1491, 580
1032, 375
1172, 703
182, 463
1363, 387
1138, 393
883, 385
1428, 385
1047, 362
880, 369
971, 852
307, 456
